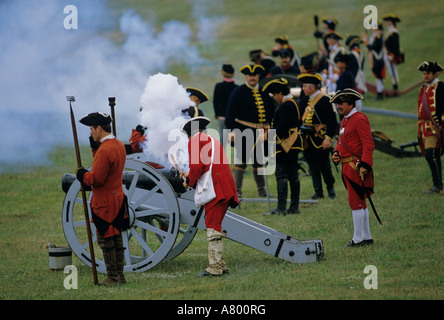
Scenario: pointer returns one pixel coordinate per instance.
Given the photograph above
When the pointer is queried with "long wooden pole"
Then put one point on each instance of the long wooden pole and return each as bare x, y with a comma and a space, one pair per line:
82, 189
112, 103
316, 23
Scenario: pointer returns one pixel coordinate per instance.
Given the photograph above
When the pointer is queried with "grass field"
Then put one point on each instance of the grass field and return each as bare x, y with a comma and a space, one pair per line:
408, 252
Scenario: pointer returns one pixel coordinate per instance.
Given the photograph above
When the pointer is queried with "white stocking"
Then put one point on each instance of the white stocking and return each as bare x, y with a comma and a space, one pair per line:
358, 223
366, 228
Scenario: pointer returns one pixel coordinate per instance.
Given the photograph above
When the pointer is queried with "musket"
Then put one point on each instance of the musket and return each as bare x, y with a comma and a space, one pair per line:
85, 204
112, 103
316, 23
393, 72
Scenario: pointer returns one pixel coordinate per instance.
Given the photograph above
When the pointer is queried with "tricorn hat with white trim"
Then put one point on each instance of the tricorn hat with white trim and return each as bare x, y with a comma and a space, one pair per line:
430, 66
346, 95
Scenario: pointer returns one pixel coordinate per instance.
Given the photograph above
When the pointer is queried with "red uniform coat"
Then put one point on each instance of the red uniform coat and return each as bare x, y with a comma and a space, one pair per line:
136, 140
200, 151
105, 179
355, 140
434, 98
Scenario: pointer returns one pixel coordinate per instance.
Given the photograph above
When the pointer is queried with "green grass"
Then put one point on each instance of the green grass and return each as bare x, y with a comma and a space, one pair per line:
408, 249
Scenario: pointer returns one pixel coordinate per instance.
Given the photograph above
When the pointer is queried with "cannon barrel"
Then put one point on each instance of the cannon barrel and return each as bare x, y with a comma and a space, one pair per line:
143, 182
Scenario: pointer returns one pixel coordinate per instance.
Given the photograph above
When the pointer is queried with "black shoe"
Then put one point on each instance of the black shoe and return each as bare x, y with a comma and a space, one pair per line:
367, 242
276, 211
317, 196
264, 195
433, 190
293, 211
331, 193
351, 243
207, 274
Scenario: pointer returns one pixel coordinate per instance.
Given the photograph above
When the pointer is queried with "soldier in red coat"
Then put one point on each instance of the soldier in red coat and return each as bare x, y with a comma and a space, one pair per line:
108, 201
200, 152
355, 151
430, 119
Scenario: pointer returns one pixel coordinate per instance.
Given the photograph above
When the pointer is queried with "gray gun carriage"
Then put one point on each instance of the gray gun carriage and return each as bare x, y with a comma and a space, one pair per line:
164, 220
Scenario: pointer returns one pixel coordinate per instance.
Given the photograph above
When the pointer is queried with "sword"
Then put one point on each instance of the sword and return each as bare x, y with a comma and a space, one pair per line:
370, 200
373, 208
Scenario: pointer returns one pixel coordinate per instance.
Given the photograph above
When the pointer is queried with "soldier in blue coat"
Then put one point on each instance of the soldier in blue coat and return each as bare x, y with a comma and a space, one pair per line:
286, 122
250, 111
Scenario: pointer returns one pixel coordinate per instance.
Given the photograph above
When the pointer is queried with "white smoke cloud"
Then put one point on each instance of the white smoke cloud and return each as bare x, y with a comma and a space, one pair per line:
42, 63
162, 103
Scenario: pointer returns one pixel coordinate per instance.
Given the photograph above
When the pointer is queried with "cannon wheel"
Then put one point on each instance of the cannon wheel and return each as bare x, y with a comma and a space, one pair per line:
154, 219
187, 231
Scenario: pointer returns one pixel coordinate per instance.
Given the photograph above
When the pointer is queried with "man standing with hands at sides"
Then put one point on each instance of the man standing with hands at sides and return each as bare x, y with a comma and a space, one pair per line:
286, 122
108, 203
221, 95
430, 118
320, 121
250, 110
200, 152
392, 49
355, 151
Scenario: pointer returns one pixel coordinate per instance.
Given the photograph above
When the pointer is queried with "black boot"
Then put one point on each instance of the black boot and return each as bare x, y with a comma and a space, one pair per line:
282, 192
295, 188
238, 175
109, 257
315, 174
434, 160
260, 183
120, 258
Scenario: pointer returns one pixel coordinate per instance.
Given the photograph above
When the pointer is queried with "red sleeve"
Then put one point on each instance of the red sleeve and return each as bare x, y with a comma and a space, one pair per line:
135, 140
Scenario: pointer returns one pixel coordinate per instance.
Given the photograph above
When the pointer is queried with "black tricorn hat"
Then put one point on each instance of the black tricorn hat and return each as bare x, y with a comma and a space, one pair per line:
195, 124
430, 66
255, 54
331, 22
198, 93
275, 85
342, 57
285, 52
252, 69
353, 40
311, 60
228, 68
346, 95
333, 35
310, 78
96, 119
391, 17
281, 39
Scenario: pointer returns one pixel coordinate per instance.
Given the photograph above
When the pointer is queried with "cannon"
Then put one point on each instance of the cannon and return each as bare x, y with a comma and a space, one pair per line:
164, 221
